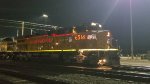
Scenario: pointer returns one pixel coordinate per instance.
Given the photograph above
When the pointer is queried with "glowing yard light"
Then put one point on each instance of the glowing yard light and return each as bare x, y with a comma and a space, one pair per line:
100, 26
96, 24
45, 15
93, 24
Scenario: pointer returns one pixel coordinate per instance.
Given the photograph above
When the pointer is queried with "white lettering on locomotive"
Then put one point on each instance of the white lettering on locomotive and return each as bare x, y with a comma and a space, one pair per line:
85, 37
90, 37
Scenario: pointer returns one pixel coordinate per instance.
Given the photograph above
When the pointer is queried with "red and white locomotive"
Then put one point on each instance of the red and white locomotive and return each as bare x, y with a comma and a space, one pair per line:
92, 46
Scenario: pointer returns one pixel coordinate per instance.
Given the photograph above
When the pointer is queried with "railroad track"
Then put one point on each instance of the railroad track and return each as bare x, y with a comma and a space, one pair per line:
3, 81
27, 77
132, 68
125, 76
116, 73
6, 79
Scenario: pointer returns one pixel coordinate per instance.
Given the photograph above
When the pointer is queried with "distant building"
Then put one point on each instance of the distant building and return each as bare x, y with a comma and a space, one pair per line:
147, 56
148, 52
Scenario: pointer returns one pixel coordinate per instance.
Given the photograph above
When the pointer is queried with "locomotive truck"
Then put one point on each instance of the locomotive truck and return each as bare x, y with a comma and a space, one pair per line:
92, 46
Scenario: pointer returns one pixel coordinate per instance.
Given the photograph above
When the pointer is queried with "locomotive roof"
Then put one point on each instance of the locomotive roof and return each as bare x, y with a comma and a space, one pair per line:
67, 30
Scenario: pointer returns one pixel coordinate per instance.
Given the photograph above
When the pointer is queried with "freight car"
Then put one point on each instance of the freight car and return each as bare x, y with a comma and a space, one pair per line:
92, 46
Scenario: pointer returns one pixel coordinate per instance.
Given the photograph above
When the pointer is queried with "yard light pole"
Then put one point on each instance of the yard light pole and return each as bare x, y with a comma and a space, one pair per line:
131, 25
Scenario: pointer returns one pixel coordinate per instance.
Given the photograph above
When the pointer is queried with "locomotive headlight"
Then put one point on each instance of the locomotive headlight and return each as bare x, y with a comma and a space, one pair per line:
104, 60
101, 62
93, 24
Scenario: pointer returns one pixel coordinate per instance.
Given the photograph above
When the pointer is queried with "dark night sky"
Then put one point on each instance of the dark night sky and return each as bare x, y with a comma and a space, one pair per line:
113, 14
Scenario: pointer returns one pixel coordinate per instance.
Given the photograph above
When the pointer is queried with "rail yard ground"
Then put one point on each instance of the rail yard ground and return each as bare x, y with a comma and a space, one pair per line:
56, 73
136, 61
